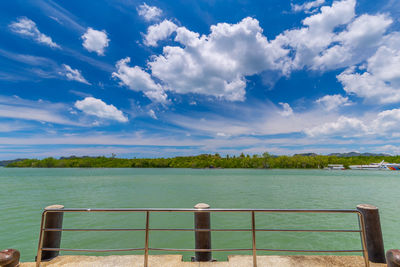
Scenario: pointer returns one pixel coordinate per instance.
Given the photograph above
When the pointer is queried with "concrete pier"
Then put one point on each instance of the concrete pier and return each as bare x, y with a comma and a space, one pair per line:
367, 213
233, 261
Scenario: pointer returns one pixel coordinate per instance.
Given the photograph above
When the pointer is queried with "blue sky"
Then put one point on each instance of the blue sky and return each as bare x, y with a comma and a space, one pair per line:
168, 78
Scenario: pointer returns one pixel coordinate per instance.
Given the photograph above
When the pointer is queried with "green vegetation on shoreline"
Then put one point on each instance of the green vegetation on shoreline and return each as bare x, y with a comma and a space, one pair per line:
206, 161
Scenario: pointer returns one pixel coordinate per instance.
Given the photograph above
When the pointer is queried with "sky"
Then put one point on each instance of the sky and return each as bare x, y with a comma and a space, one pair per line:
178, 78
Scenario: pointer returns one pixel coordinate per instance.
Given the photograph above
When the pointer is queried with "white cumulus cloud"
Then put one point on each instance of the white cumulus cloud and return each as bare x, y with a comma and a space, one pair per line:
149, 13
330, 102
307, 6
387, 123
95, 41
355, 44
380, 82
317, 34
334, 38
344, 127
216, 64
341, 12
73, 74
27, 27
138, 80
287, 110
96, 107
159, 32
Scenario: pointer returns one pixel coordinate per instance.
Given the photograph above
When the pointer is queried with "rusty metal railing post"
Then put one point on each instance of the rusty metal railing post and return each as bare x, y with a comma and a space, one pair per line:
40, 245
202, 238
52, 239
146, 241
253, 231
361, 225
373, 233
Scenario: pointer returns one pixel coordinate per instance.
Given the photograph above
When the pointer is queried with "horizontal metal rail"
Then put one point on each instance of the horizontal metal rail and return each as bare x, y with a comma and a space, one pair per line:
147, 211
200, 250
197, 230
205, 210
93, 250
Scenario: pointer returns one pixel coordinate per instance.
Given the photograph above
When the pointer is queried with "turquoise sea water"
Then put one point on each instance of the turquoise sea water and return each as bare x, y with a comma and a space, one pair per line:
25, 192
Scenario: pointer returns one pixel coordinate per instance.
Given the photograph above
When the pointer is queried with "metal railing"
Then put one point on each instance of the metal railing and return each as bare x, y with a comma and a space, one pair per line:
253, 229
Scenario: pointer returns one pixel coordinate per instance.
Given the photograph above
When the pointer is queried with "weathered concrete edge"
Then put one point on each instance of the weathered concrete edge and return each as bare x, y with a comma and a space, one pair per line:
233, 261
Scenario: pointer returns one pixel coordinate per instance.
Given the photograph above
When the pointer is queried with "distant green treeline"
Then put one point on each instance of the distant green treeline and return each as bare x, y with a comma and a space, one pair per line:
205, 161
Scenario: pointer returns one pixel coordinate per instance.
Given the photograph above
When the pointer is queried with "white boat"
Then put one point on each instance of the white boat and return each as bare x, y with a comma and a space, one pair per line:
335, 167
391, 166
372, 166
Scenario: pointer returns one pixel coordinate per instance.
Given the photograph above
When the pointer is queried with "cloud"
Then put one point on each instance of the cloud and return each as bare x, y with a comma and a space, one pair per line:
102, 65
13, 127
95, 41
333, 38
42, 111
150, 145
237, 133
60, 14
28, 28
44, 67
355, 44
317, 34
365, 31
240, 119
96, 107
161, 145
28, 59
12, 76
380, 81
159, 32
387, 122
152, 114
343, 127
32, 67
287, 110
307, 6
73, 75
369, 86
138, 80
149, 13
216, 64
341, 12
391, 149
331, 102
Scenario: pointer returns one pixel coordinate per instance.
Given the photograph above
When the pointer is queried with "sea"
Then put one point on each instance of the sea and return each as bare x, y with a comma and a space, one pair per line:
25, 192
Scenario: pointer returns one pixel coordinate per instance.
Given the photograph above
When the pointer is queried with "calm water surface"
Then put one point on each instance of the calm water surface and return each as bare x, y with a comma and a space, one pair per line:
25, 192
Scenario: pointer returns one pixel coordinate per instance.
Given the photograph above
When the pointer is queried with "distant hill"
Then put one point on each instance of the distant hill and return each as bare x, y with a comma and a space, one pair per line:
356, 154
6, 162
306, 154
346, 155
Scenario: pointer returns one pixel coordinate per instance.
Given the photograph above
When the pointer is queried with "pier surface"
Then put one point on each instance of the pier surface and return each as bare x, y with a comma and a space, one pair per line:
233, 261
